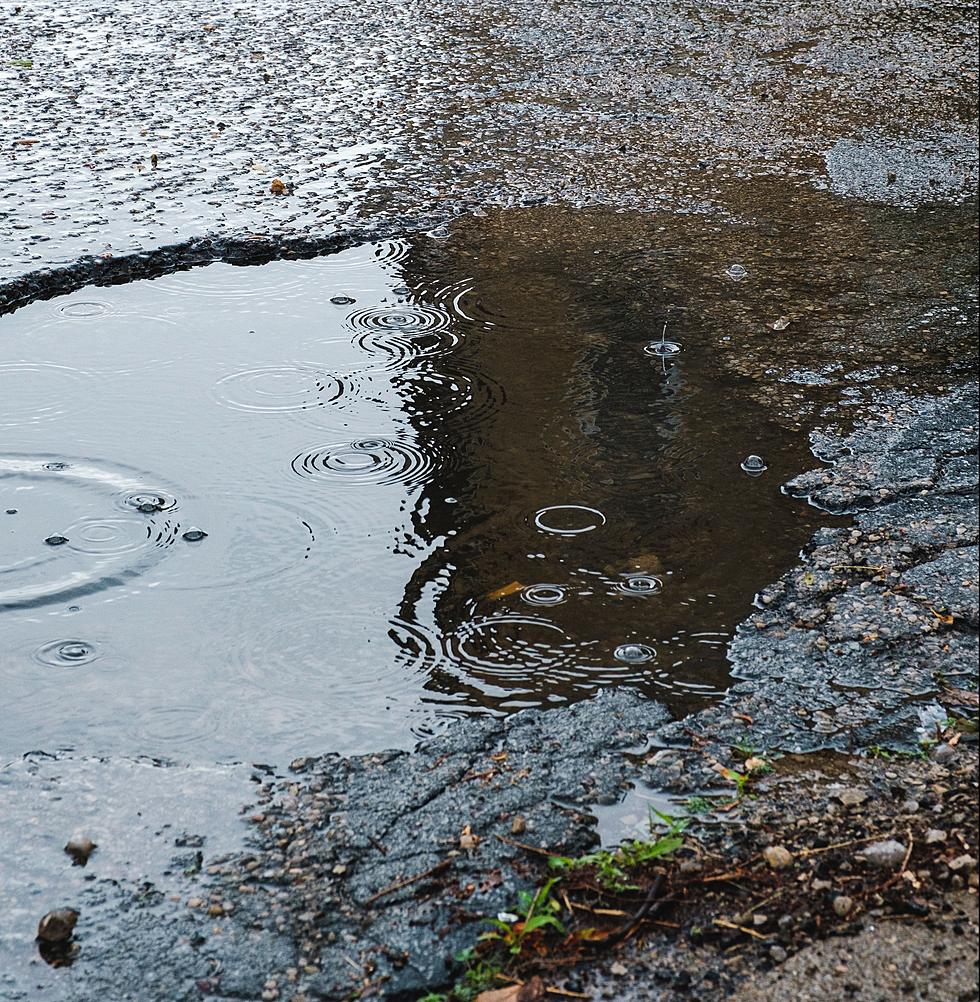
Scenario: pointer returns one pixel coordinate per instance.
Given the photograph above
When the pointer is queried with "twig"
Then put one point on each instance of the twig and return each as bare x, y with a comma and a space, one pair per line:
838, 845
524, 845
567, 994
896, 876
649, 903
725, 924
399, 884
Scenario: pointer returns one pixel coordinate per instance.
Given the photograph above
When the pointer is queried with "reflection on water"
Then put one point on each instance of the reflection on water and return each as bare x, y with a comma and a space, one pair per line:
327, 504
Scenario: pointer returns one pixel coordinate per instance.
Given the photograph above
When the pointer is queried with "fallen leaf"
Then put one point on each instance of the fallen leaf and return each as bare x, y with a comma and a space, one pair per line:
948, 620
507, 589
965, 697
467, 840
277, 187
530, 991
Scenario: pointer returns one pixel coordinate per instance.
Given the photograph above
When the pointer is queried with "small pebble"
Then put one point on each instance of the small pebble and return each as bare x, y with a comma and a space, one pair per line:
778, 857
885, 855
80, 847
843, 904
57, 926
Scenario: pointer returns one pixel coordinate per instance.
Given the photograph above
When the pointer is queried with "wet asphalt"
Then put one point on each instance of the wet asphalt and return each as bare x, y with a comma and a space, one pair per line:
142, 127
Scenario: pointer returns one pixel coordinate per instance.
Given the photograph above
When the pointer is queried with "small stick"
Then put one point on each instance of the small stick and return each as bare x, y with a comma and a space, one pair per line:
566, 993
725, 924
524, 845
905, 862
839, 845
399, 884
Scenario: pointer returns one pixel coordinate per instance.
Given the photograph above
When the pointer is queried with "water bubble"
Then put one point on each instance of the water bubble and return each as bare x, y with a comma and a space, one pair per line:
754, 466
194, 535
568, 519
736, 272
544, 594
11, 511
640, 584
56, 466
634, 653
56, 540
342, 300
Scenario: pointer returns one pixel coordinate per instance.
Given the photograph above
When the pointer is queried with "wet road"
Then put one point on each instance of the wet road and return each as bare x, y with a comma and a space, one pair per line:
144, 124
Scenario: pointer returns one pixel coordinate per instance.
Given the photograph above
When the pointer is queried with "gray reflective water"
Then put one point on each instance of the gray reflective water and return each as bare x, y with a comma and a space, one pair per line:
330, 504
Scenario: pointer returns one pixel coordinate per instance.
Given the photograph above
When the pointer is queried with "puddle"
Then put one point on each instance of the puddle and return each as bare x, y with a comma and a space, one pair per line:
328, 505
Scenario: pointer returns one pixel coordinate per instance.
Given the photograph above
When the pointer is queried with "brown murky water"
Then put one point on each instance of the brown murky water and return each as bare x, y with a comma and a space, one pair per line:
464, 473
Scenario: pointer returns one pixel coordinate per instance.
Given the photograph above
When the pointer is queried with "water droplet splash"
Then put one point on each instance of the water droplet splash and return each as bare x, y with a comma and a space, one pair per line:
736, 272
640, 584
663, 348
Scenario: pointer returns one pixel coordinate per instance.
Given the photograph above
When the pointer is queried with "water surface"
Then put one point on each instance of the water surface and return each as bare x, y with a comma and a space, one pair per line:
253, 512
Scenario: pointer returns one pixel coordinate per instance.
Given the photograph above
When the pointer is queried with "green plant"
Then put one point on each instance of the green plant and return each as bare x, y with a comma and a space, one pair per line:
612, 866
536, 910
698, 805
21, 64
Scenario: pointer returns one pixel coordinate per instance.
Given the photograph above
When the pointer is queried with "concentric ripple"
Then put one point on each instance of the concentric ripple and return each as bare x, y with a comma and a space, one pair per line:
511, 646
468, 397
84, 311
639, 584
368, 461
67, 654
568, 519
31, 392
281, 388
403, 333
148, 501
544, 594
68, 538
110, 537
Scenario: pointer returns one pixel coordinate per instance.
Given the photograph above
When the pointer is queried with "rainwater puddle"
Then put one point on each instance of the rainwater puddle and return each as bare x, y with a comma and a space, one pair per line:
328, 505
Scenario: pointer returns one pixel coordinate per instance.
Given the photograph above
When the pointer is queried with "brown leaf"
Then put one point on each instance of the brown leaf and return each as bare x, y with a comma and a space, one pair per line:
530, 991
965, 697
277, 187
467, 840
